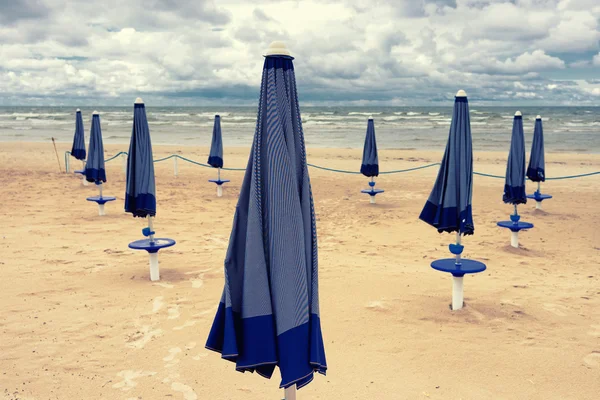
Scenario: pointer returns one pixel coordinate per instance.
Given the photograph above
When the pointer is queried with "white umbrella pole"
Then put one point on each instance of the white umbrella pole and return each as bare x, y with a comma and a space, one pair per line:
457, 283
175, 165
290, 393
372, 188
83, 180
219, 187
100, 206
514, 239
154, 271
219, 174
538, 204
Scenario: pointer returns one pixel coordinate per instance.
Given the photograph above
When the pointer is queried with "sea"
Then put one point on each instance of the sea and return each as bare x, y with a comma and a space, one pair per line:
566, 129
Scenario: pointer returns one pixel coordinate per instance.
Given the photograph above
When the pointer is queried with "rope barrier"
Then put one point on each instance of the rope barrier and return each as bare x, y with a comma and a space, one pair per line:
397, 171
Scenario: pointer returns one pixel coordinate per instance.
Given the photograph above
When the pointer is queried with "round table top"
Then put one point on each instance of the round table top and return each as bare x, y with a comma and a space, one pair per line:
219, 181
372, 192
539, 197
515, 227
151, 247
465, 267
101, 200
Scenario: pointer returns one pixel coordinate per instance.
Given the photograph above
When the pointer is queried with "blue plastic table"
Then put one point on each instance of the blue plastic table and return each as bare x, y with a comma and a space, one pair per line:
515, 226
101, 199
466, 266
151, 246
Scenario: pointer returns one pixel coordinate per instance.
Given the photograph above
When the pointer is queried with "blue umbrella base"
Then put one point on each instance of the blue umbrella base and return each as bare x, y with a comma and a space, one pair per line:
372, 192
466, 266
218, 181
101, 200
151, 246
515, 226
539, 197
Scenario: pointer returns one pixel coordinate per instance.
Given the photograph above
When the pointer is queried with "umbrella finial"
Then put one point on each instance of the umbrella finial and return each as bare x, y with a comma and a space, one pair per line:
461, 93
139, 101
518, 114
78, 110
95, 113
538, 117
277, 48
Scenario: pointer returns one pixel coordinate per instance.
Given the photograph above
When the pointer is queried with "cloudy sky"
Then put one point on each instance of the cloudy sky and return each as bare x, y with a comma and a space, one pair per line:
199, 52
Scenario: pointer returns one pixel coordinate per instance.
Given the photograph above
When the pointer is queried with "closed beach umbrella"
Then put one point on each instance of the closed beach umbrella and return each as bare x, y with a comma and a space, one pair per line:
78, 149
268, 315
449, 205
215, 158
535, 171
370, 162
514, 186
448, 208
140, 197
94, 167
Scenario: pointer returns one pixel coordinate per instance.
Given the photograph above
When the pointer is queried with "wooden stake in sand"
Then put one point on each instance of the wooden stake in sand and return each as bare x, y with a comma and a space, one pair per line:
56, 152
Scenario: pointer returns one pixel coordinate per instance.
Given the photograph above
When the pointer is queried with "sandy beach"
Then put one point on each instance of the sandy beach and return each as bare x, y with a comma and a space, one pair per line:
79, 318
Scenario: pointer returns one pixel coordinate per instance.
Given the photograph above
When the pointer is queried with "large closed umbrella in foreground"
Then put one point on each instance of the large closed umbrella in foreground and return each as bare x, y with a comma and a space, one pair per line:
78, 148
268, 315
448, 208
514, 185
536, 171
370, 161
215, 157
140, 194
94, 167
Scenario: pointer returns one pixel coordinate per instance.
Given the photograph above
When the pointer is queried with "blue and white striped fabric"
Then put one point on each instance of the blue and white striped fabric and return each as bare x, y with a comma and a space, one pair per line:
536, 169
449, 205
140, 195
215, 158
78, 148
269, 312
94, 166
370, 161
514, 186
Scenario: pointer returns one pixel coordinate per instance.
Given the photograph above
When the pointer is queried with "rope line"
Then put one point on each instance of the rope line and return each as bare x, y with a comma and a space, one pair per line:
397, 171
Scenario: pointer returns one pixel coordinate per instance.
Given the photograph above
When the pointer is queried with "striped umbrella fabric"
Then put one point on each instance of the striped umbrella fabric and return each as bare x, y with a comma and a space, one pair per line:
78, 148
268, 315
535, 170
449, 205
514, 186
140, 194
215, 158
94, 166
370, 161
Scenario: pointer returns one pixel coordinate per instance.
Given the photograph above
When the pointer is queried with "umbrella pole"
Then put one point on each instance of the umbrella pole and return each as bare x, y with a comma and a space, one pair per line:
538, 204
457, 283
372, 198
219, 187
83, 180
154, 272
100, 206
290, 393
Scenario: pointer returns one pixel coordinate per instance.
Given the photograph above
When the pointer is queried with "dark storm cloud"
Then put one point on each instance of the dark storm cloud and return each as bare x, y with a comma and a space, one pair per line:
12, 11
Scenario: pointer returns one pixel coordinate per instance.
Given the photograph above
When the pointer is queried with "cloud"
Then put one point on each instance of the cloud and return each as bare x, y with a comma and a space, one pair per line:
394, 52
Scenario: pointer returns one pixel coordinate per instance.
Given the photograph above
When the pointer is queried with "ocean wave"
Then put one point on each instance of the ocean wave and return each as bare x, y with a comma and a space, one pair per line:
434, 113
407, 117
363, 113
411, 113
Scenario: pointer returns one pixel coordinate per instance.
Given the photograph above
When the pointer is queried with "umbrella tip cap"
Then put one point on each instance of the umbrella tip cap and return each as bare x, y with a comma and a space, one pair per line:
538, 117
95, 113
461, 93
277, 48
139, 101
78, 110
518, 114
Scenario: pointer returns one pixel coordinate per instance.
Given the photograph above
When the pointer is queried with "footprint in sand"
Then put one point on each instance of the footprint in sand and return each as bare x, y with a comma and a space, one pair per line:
170, 359
377, 306
595, 331
165, 285
199, 356
141, 338
198, 282
185, 325
190, 345
556, 309
128, 377
173, 311
157, 304
188, 392
171, 377
592, 360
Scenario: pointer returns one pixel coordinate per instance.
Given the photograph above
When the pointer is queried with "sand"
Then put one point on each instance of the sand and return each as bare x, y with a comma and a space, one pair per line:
79, 318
